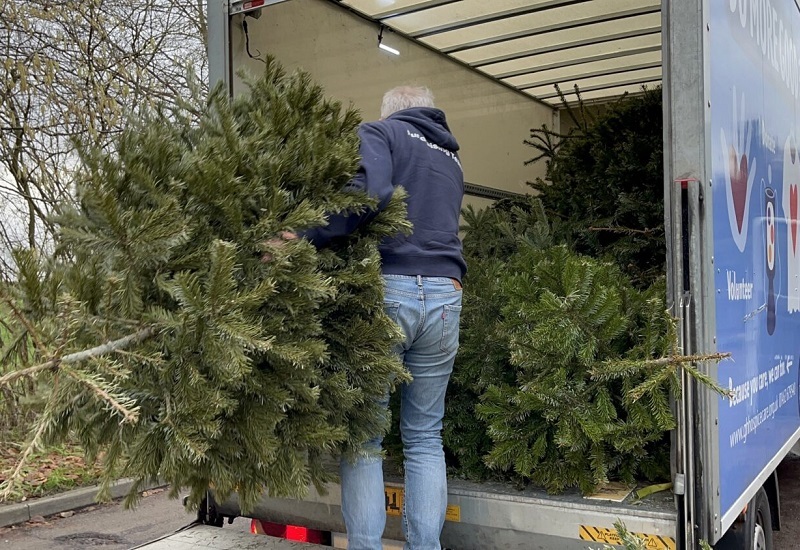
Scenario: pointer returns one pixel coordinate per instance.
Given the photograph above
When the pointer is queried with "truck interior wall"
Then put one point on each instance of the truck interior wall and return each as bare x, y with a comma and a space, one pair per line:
479, 203
340, 50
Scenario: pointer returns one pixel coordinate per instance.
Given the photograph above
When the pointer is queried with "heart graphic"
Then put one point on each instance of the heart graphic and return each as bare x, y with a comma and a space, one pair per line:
738, 183
793, 214
739, 167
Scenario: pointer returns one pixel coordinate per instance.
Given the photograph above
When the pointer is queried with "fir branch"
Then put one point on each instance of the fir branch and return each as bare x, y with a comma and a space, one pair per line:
684, 359
29, 371
7, 487
542, 139
140, 357
629, 540
580, 122
683, 362
79, 356
126, 407
706, 380
12, 346
623, 367
22, 318
627, 230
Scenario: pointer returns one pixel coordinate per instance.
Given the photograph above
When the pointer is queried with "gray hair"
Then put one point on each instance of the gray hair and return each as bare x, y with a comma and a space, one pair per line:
405, 97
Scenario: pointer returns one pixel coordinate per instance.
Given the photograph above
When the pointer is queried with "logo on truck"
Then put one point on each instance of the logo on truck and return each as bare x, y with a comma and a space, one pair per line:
791, 201
740, 172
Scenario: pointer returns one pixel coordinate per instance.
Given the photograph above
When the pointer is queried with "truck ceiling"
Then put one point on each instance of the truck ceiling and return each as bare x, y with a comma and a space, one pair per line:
605, 47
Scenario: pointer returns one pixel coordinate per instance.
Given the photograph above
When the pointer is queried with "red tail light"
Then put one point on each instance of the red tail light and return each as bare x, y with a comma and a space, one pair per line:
288, 532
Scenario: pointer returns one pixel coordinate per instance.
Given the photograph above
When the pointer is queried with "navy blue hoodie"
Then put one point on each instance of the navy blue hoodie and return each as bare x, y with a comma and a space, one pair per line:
414, 149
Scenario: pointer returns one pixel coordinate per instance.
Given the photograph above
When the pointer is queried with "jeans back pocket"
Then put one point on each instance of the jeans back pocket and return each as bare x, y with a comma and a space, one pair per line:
392, 309
451, 318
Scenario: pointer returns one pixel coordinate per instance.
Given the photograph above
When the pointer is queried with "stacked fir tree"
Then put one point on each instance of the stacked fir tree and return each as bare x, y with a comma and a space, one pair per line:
567, 359
604, 186
238, 360
554, 382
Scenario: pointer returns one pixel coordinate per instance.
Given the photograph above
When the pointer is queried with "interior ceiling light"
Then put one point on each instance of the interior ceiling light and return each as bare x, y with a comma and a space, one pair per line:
383, 46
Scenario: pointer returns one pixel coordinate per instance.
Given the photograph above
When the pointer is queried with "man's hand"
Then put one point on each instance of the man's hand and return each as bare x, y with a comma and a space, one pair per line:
276, 243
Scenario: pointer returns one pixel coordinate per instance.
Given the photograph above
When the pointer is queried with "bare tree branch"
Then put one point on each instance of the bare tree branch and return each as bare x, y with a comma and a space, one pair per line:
75, 70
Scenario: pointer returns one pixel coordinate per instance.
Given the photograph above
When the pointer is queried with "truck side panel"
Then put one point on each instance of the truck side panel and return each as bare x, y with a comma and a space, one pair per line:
755, 88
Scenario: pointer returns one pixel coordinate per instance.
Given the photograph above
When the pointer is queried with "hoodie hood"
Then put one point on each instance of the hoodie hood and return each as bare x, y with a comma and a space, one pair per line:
431, 123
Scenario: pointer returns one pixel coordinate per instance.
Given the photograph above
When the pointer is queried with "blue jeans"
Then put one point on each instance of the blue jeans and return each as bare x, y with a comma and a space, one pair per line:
428, 310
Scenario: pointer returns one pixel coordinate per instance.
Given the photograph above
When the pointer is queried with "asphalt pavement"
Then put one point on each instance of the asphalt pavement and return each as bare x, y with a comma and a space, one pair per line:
107, 526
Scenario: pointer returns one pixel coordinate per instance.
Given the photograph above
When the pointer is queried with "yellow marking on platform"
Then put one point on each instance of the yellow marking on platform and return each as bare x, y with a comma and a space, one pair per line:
453, 513
610, 536
393, 497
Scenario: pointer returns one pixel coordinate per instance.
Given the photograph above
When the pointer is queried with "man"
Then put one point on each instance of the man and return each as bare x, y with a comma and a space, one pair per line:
411, 146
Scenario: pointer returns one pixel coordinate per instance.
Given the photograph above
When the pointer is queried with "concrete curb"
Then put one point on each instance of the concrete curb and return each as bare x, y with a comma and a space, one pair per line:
70, 500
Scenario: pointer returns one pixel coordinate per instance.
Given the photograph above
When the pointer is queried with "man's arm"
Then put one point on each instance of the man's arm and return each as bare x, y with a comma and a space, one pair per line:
374, 177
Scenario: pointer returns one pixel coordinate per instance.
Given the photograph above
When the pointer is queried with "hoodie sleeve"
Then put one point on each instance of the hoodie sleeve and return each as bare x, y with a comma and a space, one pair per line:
374, 177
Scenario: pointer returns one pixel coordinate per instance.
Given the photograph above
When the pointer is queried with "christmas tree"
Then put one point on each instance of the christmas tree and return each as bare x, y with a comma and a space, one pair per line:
565, 370
573, 416
604, 186
491, 237
231, 358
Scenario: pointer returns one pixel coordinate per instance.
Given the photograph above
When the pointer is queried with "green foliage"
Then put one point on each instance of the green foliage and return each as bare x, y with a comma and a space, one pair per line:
555, 381
629, 541
491, 236
563, 422
604, 183
248, 372
16, 351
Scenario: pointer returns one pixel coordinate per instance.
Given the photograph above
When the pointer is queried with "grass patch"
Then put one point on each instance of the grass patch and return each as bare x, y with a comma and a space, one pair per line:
52, 471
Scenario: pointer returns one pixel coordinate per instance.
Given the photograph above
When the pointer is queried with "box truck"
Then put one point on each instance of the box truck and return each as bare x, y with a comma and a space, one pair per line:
730, 77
